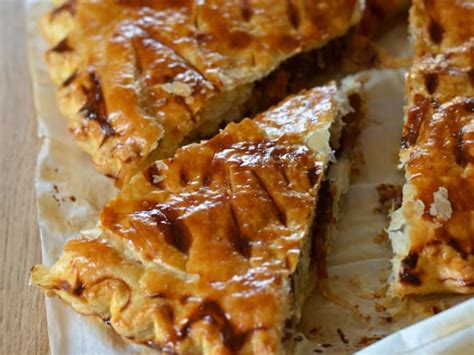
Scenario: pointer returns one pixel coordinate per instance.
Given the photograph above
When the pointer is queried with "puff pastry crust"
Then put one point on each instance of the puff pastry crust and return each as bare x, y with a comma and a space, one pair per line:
441, 24
204, 252
139, 77
433, 232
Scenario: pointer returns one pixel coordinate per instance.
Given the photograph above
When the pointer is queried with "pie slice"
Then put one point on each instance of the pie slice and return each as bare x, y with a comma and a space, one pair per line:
209, 251
440, 24
137, 79
433, 232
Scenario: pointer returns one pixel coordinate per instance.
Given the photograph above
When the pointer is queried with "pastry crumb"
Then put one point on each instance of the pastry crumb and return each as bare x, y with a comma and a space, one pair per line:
441, 207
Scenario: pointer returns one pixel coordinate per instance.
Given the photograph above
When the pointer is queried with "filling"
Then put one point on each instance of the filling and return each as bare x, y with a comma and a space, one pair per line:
302, 71
344, 133
336, 184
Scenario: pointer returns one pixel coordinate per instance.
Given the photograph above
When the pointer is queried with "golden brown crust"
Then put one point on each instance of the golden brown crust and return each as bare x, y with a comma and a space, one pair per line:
438, 154
135, 73
440, 24
198, 252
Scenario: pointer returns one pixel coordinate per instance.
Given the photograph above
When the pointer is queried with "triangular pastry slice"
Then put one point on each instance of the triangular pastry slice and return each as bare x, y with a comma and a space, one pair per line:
209, 251
137, 79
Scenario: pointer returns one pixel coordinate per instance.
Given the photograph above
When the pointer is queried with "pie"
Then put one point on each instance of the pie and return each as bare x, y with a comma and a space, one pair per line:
138, 78
209, 251
433, 232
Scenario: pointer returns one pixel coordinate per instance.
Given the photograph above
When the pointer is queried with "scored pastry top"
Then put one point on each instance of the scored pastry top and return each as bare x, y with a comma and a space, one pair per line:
438, 156
441, 24
198, 252
137, 77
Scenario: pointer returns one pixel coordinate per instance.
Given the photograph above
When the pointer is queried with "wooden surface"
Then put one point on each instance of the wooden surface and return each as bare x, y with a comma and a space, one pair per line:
22, 315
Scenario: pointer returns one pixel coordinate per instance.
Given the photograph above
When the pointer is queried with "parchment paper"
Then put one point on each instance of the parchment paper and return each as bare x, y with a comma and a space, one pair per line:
349, 311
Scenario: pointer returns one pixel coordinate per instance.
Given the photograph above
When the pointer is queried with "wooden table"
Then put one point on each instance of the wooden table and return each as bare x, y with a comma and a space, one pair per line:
22, 313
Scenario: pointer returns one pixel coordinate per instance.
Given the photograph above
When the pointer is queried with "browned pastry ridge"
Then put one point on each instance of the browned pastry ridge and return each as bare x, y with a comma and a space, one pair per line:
441, 24
433, 232
209, 251
136, 79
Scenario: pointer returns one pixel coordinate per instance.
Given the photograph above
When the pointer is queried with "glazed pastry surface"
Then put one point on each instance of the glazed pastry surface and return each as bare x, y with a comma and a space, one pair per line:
440, 24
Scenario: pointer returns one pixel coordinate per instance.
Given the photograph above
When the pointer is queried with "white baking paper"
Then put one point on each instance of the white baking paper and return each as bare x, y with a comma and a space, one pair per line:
348, 312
